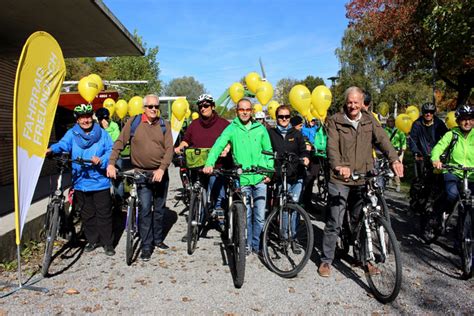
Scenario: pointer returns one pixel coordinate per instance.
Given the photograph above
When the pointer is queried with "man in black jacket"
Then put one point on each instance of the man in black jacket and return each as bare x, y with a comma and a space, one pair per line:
426, 131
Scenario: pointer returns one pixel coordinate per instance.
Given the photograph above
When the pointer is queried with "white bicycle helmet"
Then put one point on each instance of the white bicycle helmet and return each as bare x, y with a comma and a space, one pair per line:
259, 115
205, 98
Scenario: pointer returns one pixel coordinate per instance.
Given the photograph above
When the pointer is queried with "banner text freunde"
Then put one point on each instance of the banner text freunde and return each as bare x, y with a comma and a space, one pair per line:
40, 95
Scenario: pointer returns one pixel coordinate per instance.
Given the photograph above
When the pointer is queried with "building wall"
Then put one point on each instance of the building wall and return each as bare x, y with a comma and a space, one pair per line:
7, 82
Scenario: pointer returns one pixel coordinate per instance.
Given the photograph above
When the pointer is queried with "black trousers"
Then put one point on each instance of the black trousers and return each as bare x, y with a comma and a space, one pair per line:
96, 215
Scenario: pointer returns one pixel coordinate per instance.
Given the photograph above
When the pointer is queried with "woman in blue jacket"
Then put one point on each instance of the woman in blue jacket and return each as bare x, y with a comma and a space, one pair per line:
89, 141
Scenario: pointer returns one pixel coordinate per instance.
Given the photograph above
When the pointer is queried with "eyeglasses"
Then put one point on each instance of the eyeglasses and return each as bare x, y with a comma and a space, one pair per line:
259, 119
204, 106
157, 107
428, 112
283, 117
245, 110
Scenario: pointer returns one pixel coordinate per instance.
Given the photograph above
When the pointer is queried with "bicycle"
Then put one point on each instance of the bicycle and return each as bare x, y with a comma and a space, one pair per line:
463, 209
288, 232
131, 223
184, 174
198, 210
322, 179
235, 222
375, 242
55, 218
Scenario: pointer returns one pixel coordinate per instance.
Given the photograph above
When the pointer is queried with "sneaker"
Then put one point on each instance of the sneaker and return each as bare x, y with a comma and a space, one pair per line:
109, 250
324, 270
90, 247
163, 246
146, 255
373, 270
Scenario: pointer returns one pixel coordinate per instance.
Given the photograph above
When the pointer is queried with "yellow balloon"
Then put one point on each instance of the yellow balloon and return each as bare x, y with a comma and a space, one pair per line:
451, 120
404, 122
194, 116
135, 106
88, 88
97, 80
321, 98
187, 114
413, 112
121, 108
179, 108
383, 108
252, 80
257, 108
109, 104
300, 99
264, 92
272, 106
236, 91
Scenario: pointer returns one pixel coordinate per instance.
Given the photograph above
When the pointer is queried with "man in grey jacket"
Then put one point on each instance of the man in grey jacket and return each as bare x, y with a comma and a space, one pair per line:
351, 137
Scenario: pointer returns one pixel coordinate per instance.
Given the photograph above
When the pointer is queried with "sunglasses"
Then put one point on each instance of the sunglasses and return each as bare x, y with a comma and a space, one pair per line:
157, 107
259, 119
283, 117
204, 106
245, 110
429, 112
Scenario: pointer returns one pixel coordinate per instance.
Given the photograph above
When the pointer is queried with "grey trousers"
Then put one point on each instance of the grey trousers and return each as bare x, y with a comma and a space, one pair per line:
340, 197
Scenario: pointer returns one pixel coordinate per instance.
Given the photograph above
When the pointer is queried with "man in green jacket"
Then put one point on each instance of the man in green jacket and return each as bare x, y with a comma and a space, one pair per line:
460, 153
399, 142
248, 139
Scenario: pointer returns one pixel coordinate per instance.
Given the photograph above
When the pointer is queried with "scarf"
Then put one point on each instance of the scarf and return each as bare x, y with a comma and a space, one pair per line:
84, 140
208, 122
283, 130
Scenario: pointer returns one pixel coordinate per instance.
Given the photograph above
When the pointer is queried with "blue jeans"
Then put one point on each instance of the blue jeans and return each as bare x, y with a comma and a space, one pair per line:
451, 186
295, 190
150, 224
217, 190
255, 213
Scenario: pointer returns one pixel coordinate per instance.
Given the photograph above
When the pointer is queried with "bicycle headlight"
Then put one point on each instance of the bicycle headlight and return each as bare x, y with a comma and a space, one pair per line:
239, 171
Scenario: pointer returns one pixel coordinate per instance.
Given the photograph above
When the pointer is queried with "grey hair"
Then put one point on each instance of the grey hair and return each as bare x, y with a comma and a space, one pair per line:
352, 90
150, 96
244, 99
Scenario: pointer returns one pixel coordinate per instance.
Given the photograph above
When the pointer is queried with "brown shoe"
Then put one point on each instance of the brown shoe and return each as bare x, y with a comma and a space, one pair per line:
324, 270
373, 270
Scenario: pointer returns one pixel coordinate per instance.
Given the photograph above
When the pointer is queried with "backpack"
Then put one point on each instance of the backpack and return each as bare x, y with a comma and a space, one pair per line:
446, 156
136, 121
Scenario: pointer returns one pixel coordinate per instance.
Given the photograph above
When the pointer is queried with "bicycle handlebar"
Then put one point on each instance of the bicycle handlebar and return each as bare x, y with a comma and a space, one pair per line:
285, 156
450, 168
64, 158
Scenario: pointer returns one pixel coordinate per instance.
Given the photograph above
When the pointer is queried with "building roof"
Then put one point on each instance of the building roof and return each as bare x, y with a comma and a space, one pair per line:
83, 28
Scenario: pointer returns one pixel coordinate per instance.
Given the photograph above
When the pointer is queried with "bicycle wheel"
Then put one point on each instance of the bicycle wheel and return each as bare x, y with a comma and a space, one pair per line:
287, 240
51, 225
382, 259
466, 244
238, 237
130, 230
194, 220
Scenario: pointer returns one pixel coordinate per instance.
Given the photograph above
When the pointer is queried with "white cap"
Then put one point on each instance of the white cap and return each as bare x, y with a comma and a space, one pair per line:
259, 115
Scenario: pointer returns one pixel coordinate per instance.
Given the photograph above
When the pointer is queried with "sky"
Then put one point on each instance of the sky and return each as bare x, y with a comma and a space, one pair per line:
220, 41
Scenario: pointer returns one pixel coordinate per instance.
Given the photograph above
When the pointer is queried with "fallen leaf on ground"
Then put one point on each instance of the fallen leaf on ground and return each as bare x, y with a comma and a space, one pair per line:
291, 290
71, 291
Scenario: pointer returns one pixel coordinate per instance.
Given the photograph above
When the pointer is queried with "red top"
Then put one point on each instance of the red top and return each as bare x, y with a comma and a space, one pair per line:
203, 133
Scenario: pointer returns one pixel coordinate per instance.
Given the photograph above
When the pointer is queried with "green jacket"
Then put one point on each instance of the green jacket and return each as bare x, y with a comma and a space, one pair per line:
247, 146
462, 153
320, 142
399, 140
113, 130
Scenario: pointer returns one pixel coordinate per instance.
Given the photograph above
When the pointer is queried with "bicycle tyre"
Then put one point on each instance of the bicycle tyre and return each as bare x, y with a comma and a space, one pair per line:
284, 256
466, 244
52, 225
239, 218
193, 222
130, 231
385, 210
384, 262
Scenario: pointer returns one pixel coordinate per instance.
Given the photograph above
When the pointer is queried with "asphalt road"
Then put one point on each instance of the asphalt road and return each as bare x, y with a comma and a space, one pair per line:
175, 282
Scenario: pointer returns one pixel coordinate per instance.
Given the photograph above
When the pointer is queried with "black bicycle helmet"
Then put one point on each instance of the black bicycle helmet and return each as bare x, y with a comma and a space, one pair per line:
427, 107
83, 109
367, 98
102, 113
205, 98
464, 110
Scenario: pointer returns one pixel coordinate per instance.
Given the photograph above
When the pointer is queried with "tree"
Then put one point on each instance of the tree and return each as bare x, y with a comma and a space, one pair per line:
311, 82
282, 90
185, 86
136, 68
418, 34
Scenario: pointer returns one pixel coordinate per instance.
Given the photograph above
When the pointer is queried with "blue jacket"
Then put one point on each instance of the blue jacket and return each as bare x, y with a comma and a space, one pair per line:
309, 132
421, 142
81, 145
